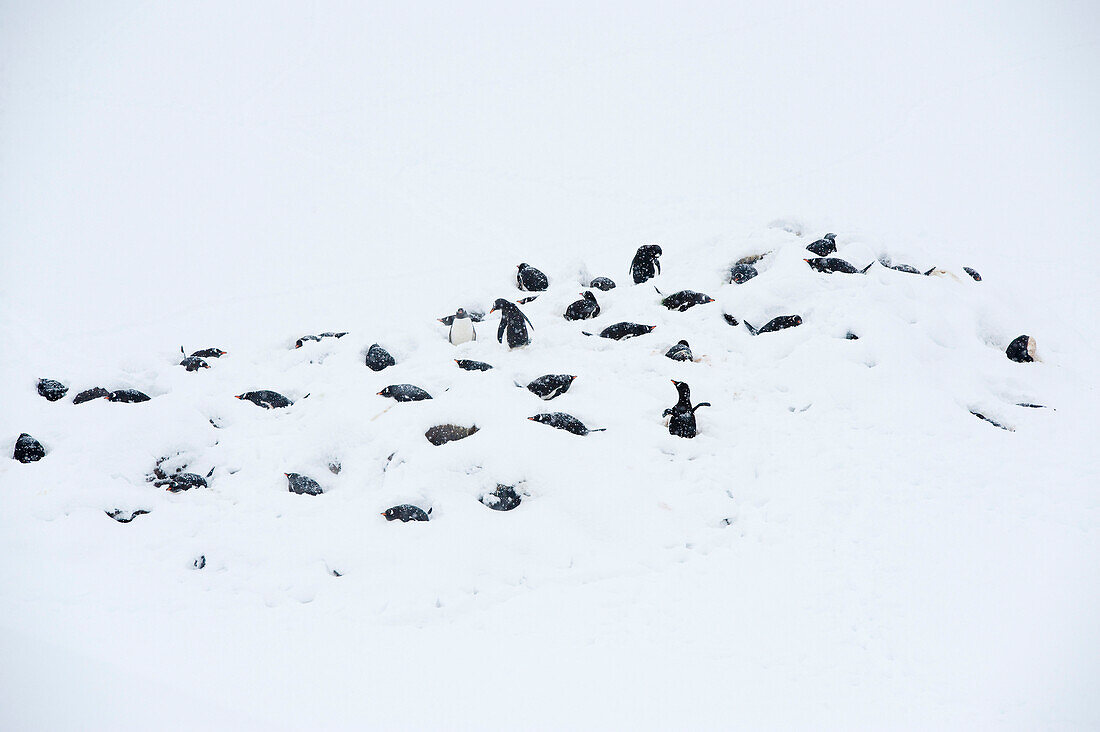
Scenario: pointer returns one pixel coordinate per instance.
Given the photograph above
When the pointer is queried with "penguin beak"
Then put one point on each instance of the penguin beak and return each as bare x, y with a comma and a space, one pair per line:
531, 418
378, 394
287, 474
236, 397
493, 309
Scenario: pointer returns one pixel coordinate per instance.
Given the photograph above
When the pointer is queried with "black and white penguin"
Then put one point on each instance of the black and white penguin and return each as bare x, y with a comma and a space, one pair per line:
1021, 350
406, 512
96, 392
684, 299
525, 300
824, 246
730, 320
973, 275
563, 421
741, 273
680, 352
467, 365
829, 265
780, 323
51, 390
512, 321
122, 517
127, 396
908, 269
645, 265
304, 339
624, 330
379, 358
265, 398
504, 498
583, 309
28, 449
303, 485
462, 328
681, 415
550, 386
206, 353
178, 482
404, 393
603, 284
194, 363
530, 279
474, 316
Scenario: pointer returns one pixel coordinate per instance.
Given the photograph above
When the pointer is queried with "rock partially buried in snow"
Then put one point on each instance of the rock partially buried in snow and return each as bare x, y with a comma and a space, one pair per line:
303, 485
28, 449
51, 390
178, 482
124, 517
504, 498
441, 434
405, 513
1021, 350
379, 358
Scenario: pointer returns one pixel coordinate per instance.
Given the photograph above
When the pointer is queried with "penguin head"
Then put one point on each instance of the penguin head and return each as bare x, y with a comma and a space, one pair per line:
522, 266
651, 328
683, 343
239, 396
541, 418
830, 237
587, 295
386, 392
461, 313
500, 304
652, 251
797, 320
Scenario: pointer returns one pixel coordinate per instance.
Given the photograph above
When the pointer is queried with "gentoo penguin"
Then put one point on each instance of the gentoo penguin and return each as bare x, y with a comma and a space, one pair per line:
504, 498
564, 421
405, 513
28, 449
908, 269
96, 392
298, 343
462, 329
530, 279
851, 336
624, 330
303, 485
741, 273
265, 398
583, 309
378, 358
206, 353
603, 284
1021, 350
127, 396
681, 421
51, 390
514, 322
194, 363
780, 323
828, 265
551, 385
824, 246
730, 320
120, 515
974, 275
680, 352
645, 265
404, 393
449, 319
181, 482
684, 299
525, 300
466, 365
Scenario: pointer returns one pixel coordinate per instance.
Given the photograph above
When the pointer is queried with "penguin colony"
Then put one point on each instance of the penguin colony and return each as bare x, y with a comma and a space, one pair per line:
515, 331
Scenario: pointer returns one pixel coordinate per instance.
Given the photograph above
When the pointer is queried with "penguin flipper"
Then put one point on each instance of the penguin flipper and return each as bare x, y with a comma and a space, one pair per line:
752, 330
700, 404
929, 271
500, 329
864, 270
183, 351
584, 332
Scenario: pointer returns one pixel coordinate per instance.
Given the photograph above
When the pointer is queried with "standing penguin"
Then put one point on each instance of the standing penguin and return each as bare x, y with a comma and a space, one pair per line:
530, 279
514, 322
645, 265
462, 328
681, 421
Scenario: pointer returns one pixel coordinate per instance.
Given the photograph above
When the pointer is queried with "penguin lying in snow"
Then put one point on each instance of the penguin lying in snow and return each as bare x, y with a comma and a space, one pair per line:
973, 275
379, 358
680, 352
462, 329
306, 338
550, 386
504, 498
530, 279
829, 265
127, 396
681, 415
780, 323
467, 365
206, 353
1021, 350
563, 421
645, 265
28, 449
406, 512
96, 392
888, 263
730, 320
513, 322
266, 398
303, 485
120, 515
404, 393
824, 246
178, 482
194, 363
624, 330
603, 284
684, 299
583, 309
741, 273
51, 390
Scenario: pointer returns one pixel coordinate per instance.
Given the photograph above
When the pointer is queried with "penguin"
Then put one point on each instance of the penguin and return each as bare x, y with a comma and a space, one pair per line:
563, 421
583, 309
462, 329
603, 284
751, 258
406, 512
127, 396
681, 421
266, 398
194, 363
378, 358
475, 317
850, 336
829, 265
525, 300
404, 393
888, 263
304, 339
51, 390
514, 322
824, 246
28, 449
206, 353
645, 265
730, 320
303, 485
96, 392
1021, 350
504, 498
684, 299
973, 275
178, 482
120, 515
742, 273
530, 279
680, 352
550, 386
780, 323
466, 365
622, 331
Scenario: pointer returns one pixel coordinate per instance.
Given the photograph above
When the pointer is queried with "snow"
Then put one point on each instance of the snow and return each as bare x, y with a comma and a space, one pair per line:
843, 545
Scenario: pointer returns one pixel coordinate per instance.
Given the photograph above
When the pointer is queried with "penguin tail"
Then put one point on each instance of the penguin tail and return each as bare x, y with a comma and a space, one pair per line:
183, 351
752, 330
864, 270
584, 332
306, 396
929, 271
601, 429
519, 384
430, 510
658, 291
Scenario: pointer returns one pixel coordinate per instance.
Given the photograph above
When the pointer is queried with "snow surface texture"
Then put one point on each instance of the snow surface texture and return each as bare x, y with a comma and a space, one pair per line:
843, 545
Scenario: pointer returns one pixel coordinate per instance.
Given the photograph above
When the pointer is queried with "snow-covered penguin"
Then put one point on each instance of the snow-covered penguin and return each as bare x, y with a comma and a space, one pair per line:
645, 265
530, 279
583, 309
513, 322
462, 328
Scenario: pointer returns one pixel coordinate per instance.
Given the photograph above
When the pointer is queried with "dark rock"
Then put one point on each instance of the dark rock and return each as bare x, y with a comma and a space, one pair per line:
96, 392
379, 358
51, 390
28, 449
441, 434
